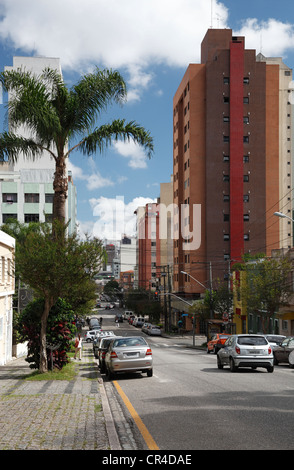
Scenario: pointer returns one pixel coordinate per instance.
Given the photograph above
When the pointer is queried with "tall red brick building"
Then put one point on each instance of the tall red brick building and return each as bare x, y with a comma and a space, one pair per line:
231, 155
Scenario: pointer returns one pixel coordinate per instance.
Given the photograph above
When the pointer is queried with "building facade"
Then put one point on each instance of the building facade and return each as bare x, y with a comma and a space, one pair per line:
7, 287
231, 159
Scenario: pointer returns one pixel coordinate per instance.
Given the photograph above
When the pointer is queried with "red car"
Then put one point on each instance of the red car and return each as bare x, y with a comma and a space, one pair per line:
217, 341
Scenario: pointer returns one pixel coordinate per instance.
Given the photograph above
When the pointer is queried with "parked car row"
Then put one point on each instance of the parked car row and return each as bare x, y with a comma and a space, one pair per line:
118, 354
146, 327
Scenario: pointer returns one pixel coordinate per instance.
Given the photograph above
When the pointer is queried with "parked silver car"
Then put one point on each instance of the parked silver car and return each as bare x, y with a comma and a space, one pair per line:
128, 354
154, 330
246, 351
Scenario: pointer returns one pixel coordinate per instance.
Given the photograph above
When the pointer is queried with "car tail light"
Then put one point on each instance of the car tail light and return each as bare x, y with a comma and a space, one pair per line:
237, 349
113, 354
269, 350
149, 352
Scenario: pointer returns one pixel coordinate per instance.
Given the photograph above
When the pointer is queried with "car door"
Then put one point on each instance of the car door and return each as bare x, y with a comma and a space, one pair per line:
224, 352
282, 352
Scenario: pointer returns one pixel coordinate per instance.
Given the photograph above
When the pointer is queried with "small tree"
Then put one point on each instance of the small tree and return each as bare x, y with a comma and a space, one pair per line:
57, 267
60, 331
266, 287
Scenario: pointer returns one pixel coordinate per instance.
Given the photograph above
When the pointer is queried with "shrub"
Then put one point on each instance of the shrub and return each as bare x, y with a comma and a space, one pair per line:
60, 331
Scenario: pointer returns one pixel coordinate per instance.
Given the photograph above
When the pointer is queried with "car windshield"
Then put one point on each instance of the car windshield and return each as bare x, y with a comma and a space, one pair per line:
252, 340
126, 342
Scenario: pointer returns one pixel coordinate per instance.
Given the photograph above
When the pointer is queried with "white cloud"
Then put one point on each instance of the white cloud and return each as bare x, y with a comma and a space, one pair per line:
115, 217
132, 151
113, 33
128, 34
94, 180
263, 35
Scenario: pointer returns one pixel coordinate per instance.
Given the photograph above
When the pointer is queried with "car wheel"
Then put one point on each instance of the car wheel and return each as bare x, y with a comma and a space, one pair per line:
233, 368
270, 368
149, 372
219, 364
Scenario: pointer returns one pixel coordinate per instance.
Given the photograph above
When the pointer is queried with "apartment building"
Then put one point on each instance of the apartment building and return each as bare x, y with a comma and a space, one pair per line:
231, 159
7, 286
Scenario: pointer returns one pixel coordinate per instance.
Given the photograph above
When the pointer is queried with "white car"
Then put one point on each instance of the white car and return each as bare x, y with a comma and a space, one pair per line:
90, 335
153, 330
246, 350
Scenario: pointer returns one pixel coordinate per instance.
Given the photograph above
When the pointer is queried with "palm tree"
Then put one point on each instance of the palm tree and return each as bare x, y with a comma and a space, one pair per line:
57, 117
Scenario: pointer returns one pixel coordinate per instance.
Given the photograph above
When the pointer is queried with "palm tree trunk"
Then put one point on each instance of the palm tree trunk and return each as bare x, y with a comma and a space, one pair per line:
60, 186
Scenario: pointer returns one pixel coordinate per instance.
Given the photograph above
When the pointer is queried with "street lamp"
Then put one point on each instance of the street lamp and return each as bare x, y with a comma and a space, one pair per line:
210, 297
184, 272
283, 216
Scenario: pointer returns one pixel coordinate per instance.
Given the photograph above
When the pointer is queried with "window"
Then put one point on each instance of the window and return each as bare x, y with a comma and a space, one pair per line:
226, 237
245, 158
31, 218
226, 158
246, 198
246, 119
5, 217
226, 217
246, 80
226, 138
246, 139
226, 178
226, 118
246, 100
9, 197
246, 178
246, 217
246, 236
226, 80
49, 198
226, 99
226, 198
32, 197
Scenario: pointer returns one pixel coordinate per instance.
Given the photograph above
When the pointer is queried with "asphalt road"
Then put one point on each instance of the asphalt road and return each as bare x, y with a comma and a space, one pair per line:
189, 404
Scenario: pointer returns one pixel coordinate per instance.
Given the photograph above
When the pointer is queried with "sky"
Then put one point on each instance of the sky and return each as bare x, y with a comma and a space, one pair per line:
151, 43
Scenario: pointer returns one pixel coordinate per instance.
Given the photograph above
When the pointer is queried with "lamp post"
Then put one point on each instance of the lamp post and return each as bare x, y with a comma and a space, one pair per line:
185, 301
210, 297
283, 216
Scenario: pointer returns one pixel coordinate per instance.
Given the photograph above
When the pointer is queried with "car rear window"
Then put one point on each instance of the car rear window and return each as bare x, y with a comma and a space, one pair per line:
252, 340
126, 342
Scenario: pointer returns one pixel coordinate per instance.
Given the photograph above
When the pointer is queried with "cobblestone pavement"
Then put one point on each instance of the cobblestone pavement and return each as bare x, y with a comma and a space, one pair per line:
59, 414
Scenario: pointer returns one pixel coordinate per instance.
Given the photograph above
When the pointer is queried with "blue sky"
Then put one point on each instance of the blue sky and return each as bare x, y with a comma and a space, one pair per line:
151, 42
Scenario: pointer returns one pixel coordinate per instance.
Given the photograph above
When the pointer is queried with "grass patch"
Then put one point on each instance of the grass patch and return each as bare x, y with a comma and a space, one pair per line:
68, 372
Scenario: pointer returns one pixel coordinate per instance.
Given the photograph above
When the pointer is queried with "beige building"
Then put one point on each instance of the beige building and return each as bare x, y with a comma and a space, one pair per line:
7, 286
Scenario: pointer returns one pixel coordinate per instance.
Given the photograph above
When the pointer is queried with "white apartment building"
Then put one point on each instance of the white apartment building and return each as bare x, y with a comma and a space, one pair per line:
7, 247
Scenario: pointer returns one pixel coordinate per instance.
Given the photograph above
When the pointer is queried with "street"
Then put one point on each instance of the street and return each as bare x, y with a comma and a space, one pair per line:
189, 404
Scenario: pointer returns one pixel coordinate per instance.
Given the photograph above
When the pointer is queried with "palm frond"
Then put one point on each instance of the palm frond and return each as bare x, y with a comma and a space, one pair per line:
93, 94
103, 136
11, 146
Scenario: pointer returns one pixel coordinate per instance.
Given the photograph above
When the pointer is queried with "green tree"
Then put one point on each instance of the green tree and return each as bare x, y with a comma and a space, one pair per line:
60, 331
56, 267
266, 287
62, 120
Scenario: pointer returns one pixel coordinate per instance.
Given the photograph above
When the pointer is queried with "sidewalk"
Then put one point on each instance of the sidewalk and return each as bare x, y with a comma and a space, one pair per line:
57, 414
